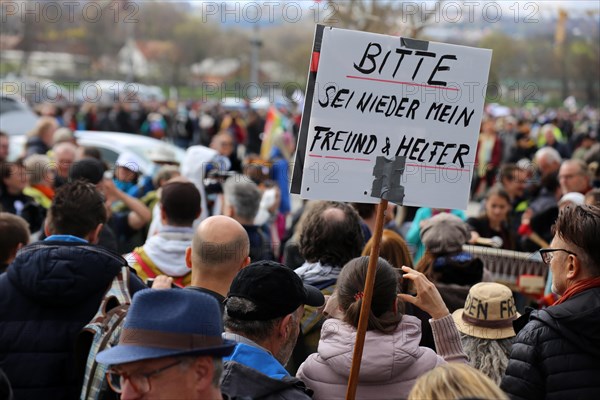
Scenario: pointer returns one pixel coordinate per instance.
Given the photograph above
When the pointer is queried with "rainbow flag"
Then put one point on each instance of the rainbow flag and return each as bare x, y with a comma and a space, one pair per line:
273, 123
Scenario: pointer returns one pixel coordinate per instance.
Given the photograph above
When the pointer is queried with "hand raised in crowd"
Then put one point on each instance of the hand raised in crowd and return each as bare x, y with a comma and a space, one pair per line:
474, 237
526, 217
162, 282
428, 298
110, 189
139, 216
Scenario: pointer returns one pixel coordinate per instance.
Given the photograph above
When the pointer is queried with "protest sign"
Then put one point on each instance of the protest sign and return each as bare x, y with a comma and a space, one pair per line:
374, 95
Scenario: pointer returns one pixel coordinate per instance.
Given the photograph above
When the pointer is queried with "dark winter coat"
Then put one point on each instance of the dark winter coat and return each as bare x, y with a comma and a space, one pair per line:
35, 145
239, 381
557, 354
50, 292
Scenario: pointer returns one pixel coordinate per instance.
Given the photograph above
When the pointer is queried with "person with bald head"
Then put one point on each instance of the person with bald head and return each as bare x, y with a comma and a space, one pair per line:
220, 249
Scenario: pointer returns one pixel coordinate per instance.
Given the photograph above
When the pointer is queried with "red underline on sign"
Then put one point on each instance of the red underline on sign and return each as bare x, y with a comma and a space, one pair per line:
400, 83
408, 165
436, 167
339, 158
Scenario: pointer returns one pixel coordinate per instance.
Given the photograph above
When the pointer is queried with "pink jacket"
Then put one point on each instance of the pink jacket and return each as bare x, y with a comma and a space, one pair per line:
390, 365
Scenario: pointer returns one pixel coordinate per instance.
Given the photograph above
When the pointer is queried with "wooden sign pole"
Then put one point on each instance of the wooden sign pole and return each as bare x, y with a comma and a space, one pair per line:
366, 302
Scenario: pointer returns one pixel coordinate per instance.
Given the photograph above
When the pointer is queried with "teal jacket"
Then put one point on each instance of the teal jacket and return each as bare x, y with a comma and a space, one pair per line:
257, 359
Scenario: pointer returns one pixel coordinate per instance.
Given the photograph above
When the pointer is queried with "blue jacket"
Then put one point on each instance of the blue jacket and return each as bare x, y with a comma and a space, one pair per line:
280, 175
252, 371
257, 359
49, 293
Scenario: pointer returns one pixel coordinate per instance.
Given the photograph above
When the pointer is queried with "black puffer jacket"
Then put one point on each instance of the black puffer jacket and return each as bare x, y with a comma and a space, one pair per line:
50, 292
557, 354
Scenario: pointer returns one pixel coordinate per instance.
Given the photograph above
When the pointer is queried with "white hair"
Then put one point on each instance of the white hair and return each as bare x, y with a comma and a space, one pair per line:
548, 153
489, 356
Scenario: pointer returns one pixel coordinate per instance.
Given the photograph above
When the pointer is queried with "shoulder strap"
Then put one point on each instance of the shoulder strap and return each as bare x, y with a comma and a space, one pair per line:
123, 284
116, 294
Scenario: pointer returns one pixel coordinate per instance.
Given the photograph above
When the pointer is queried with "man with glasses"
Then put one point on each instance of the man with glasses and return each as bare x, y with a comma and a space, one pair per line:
557, 353
170, 348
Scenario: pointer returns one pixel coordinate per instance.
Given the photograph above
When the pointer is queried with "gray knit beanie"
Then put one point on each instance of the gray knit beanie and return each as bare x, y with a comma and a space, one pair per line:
444, 234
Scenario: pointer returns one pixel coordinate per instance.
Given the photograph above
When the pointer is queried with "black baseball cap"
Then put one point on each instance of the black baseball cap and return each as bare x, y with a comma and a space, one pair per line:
275, 289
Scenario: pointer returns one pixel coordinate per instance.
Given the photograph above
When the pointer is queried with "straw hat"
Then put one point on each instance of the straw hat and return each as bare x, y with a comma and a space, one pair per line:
489, 312
162, 154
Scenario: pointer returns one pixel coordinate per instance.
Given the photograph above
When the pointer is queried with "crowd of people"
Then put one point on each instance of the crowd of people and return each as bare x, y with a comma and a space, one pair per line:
237, 294
184, 123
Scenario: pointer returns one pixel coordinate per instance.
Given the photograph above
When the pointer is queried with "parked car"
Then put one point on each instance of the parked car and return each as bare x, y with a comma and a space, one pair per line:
112, 144
16, 117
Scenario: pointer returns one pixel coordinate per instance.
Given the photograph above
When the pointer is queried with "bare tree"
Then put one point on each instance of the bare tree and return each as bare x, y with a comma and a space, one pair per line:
402, 18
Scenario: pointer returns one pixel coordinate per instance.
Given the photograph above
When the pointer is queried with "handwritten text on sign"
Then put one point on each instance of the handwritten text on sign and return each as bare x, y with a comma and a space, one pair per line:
374, 96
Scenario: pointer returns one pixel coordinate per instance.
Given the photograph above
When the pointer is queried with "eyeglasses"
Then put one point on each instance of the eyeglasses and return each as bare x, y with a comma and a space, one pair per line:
547, 254
139, 381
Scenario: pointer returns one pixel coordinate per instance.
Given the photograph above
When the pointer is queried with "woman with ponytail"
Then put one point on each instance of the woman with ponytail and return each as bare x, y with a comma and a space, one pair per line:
392, 358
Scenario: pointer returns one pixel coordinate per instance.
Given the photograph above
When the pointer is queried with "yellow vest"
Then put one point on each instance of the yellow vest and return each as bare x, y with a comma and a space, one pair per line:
38, 197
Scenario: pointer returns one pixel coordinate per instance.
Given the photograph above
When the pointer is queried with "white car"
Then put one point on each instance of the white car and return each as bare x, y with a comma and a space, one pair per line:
111, 145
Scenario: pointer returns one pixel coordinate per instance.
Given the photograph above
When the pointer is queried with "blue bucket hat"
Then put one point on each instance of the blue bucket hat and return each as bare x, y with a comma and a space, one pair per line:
167, 323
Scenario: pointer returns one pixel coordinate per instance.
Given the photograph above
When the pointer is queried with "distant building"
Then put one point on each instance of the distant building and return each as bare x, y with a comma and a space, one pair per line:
219, 71
146, 59
216, 71
51, 63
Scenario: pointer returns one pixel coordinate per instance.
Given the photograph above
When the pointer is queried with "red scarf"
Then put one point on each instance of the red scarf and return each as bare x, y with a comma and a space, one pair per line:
577, 288
46, 190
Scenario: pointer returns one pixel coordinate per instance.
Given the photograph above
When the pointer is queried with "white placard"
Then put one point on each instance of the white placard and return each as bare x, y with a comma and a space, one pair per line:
376, 96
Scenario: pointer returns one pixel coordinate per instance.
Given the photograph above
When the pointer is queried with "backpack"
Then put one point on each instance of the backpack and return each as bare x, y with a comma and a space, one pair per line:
100, 334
